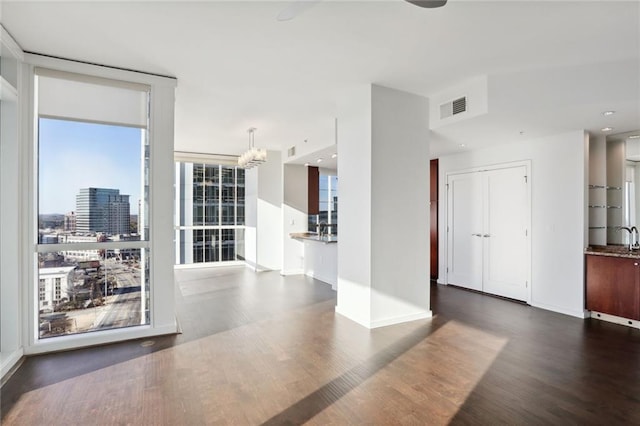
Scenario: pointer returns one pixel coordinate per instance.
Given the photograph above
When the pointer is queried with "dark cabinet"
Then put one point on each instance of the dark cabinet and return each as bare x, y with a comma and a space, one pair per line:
613, 286
433, 216
313, 190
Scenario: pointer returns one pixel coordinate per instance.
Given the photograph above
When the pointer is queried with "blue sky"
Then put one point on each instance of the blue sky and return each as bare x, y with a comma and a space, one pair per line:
74, 155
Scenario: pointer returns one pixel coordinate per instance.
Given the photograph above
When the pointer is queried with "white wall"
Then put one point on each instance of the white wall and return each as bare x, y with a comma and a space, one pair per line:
263, 214
161, 202
327, 172
251, 216
11, 347
399, 206
474, 89
383, 255
557, 218
10, 235
294, 217
269, 212
354, 216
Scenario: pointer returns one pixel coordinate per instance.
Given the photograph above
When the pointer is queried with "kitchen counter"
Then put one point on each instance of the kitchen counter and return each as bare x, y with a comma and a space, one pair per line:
613, 251
320, 256
312, 236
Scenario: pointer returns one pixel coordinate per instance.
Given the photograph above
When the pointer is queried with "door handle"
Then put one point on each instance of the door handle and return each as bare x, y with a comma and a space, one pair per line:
486, 235
476, 235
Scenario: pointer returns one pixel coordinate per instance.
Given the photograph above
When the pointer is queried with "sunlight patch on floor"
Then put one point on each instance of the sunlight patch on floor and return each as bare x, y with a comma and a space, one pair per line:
307, 364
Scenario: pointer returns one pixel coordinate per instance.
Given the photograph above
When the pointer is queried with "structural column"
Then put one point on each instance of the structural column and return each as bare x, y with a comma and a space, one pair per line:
295, 217
383, 253
263, 214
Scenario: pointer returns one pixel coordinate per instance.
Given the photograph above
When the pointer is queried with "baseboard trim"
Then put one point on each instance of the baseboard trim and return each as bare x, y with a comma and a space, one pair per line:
292, 272
10, 365
386, 321
577, 314
204, 265
257, 267
359, 321
324, 279
615, 319
400, 319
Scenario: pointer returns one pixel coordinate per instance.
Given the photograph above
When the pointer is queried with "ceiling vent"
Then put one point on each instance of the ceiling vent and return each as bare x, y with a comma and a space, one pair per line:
291, 151
457, 106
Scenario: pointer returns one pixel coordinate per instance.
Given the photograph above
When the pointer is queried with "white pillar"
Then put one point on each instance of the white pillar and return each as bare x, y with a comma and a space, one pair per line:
383, 167
11, 215
263, 214
294, 217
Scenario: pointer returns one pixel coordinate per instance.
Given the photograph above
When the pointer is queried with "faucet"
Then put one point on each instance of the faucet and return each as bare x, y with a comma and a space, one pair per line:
636, 238
631, 235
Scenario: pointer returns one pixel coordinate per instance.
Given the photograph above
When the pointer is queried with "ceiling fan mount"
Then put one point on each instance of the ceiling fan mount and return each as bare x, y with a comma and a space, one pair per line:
297, 7
429, 4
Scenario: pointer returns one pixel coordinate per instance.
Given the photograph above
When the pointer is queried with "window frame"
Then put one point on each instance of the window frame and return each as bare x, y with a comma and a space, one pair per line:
204, 160
159, 178
143, 244
314, 219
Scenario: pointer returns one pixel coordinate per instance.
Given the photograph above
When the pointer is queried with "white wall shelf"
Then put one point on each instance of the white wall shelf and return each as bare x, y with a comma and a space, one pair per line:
598, 189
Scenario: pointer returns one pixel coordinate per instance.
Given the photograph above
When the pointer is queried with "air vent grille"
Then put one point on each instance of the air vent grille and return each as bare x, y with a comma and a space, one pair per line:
291, 151
459, 105
454, 107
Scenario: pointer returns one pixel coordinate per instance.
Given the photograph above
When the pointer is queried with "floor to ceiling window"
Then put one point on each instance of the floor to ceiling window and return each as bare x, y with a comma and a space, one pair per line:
209, 213
327, 217
93, 251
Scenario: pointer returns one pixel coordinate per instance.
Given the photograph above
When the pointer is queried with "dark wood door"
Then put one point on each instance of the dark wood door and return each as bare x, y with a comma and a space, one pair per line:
613, 286
313, 190
433, 209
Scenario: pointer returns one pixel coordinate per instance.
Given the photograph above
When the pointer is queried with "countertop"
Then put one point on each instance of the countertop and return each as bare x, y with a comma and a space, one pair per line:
312, 236
613, 251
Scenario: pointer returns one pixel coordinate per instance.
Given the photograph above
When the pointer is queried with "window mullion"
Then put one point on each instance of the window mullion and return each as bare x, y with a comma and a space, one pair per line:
220, 209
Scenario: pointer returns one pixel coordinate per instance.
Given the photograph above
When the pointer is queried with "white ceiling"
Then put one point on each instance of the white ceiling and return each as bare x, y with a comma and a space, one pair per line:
551, 66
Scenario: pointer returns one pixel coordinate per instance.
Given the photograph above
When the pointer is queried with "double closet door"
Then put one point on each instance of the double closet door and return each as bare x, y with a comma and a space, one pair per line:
487, 231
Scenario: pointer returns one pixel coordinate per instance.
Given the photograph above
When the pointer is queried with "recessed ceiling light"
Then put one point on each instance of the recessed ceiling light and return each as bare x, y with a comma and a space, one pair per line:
306, 164
319, 160
634, 137
608, 113
334, 155
607, 129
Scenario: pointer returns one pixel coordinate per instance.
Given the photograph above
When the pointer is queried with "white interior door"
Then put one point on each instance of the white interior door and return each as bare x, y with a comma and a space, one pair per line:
464, 238
506, 254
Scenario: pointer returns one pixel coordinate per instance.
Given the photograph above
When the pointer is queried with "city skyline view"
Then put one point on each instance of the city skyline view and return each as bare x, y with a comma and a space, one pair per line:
66, 149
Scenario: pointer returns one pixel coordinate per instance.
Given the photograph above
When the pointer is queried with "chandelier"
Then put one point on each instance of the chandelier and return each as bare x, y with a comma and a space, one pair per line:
253, 156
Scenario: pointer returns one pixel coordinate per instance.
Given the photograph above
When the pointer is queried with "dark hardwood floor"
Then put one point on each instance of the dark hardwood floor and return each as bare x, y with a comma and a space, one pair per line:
265, 349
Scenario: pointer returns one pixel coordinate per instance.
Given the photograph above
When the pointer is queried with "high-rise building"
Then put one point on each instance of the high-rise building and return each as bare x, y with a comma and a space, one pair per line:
102, 210
211, 213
